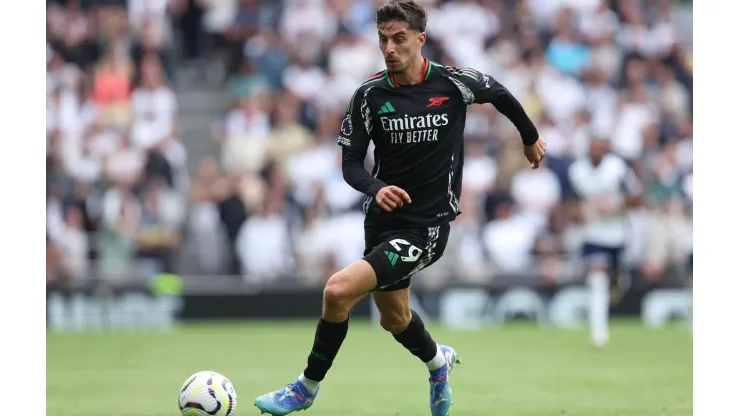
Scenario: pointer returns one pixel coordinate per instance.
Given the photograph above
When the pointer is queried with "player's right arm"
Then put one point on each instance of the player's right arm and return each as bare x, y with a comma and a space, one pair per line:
354, 138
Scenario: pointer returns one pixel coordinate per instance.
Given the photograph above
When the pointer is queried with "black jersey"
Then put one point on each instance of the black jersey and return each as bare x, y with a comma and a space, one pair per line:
417, 131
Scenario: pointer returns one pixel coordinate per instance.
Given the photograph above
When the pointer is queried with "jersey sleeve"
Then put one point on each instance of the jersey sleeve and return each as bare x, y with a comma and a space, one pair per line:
479, 88
354, 137
353, 132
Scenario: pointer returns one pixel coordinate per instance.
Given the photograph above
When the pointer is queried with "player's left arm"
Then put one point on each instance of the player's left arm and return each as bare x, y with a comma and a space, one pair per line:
486, 89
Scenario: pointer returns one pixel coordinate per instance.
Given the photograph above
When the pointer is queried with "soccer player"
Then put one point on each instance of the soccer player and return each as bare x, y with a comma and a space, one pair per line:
414, 113
607, 187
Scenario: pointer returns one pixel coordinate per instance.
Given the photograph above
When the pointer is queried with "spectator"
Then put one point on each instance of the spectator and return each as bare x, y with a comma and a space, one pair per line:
112, 84
479, 172
121, 212
244, 138
313, 245
508, 239
153, 105
311, 168
536, 193
247, 82
203, 220
157, 233
263, 243
74, 244
288, 137
566, 52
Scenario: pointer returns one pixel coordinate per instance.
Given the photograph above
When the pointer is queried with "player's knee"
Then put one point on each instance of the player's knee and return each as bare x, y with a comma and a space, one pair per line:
395, 321
337, 291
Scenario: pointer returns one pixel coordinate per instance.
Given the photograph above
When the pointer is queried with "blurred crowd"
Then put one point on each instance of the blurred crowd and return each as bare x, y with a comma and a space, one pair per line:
272, 204
116, 176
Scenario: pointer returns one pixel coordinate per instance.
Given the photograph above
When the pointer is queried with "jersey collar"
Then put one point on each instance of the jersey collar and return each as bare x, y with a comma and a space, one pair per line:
427, 69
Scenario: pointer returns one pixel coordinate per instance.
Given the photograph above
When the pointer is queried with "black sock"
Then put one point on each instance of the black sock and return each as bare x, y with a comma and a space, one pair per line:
326, 343
417, 340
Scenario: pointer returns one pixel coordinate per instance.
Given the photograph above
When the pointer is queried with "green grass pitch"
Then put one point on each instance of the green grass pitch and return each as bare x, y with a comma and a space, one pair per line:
520, 369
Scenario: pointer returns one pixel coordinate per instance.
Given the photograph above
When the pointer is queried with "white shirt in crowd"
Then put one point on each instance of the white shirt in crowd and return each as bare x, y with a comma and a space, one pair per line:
118, 204
154, 114
340, 236
688, 188
464, 29
304, 19
601, 101
264, 248
73, 245
606, 184
558, 144
250, 121
355, 61
479, 173
219, 15
246, 133
85, 167
561, 95
595, 23
347, 237
304, 82
125, 164
509, 242
338, 195
627, 138
309, 168
205, 225
312, 246
54, 218
536, 192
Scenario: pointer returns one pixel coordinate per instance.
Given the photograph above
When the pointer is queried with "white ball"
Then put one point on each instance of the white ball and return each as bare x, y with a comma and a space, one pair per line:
207, 393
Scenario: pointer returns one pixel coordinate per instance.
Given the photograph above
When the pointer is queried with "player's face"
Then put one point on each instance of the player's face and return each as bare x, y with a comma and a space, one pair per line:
399, 45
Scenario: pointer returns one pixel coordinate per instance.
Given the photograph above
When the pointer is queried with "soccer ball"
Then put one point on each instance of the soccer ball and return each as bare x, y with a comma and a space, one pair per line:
207, 393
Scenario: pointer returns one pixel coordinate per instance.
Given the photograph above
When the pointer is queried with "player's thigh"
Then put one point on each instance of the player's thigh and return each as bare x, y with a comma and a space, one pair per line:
394, 308
351, 283
401, 254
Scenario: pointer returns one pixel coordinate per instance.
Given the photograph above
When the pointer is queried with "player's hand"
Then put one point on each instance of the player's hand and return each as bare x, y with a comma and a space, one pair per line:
535, 153
392, 197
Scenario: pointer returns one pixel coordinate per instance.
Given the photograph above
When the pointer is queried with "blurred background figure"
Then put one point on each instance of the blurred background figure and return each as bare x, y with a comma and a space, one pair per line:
606, 188
198, 137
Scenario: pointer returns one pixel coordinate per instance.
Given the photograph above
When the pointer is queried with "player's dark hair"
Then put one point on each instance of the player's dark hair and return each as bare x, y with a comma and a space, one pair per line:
407, 11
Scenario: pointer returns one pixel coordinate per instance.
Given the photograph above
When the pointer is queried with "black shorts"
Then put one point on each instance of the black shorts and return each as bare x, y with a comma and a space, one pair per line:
609, 257
396, 255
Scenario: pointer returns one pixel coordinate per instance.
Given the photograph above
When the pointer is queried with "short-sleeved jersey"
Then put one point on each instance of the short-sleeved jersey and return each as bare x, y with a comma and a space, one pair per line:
417, 131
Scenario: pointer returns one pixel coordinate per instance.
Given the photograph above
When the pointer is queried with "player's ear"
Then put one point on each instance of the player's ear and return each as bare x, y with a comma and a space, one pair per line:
422, 38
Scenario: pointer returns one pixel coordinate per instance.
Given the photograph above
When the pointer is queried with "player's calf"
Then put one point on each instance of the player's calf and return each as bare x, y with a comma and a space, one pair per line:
417, 340
395, 320
343, 290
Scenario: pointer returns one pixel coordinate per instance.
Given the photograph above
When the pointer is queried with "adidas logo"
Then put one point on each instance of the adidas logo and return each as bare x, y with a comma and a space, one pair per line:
387, 108
392, 257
